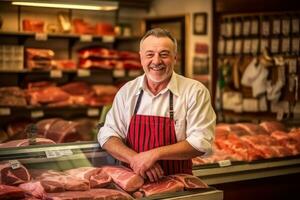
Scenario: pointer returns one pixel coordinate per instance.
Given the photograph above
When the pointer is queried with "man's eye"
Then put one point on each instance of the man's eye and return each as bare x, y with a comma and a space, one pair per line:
149, 55
164, 55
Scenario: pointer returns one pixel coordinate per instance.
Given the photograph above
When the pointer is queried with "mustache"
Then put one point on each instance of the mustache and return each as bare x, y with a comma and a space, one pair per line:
159, 66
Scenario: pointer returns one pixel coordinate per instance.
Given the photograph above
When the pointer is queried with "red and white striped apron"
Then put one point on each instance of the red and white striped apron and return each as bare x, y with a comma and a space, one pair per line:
147, 132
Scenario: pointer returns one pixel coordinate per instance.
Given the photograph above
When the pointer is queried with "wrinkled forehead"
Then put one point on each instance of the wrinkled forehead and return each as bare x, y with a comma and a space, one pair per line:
157, 43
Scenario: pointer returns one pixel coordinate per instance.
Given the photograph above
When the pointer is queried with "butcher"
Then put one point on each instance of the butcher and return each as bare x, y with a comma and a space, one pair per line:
161, 120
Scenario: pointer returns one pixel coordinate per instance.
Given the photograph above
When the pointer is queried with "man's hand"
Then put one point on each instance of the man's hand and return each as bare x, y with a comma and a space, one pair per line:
145, 164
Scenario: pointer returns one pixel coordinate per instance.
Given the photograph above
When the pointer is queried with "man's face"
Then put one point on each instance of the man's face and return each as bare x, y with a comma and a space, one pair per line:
158, 58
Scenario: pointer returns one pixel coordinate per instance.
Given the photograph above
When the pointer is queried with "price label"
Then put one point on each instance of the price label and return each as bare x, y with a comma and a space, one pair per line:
134, 73
224, 163
108, 39
37, 114
15, 164
41, 36
83, 73
86, 38
66, 152
58, 153
5, 111
119, 73
92, 112
55, 73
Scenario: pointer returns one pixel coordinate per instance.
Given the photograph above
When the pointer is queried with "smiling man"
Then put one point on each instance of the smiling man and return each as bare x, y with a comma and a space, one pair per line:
160, 120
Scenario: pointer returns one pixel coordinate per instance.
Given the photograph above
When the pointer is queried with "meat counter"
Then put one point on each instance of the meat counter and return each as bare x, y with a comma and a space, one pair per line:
61, 159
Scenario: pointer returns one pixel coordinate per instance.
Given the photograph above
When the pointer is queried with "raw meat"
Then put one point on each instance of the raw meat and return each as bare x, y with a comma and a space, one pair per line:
164, 185
56, 181
271, 126
93, 194
96, 176
77, 88
34, 189
124, 177
252, 129
25, 142
10, 176
46, 95
12, 96
190, 182
10, 192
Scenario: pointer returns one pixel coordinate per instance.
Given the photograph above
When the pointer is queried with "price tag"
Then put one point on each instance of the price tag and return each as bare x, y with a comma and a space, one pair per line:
83, 73
224, 163
119, 73
108, 39
92, 112
15, 164
41, 36
55, 73
134, 73
37, 114
58, 153
5, 111
86, 38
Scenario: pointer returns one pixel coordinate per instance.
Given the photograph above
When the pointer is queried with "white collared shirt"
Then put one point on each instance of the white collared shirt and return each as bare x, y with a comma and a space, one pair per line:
193, 114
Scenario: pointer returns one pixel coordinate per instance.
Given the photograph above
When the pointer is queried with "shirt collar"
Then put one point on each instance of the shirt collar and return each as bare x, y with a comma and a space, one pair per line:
172, 86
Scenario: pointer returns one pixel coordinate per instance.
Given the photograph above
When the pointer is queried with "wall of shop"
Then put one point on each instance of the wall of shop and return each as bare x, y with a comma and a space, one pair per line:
179, 7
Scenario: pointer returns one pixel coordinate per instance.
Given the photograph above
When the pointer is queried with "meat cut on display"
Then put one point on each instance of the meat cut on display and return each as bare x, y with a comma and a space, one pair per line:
249, 142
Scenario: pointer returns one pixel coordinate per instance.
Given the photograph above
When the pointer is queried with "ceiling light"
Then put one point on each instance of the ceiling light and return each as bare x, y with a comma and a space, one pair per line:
83, 5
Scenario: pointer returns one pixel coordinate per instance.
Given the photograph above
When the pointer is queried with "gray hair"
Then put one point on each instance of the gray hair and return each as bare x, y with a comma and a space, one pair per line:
159, 32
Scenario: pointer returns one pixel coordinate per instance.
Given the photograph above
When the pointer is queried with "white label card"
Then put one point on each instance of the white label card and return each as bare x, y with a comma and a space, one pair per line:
37, 114
15, 164
86, 38
119, 73
41, 36
92, 112
55, 73
108, 39
58, 153
5, 111
83, 73
292, 65
224, 163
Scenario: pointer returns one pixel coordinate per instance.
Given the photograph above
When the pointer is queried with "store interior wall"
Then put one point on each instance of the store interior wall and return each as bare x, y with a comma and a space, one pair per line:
189, 7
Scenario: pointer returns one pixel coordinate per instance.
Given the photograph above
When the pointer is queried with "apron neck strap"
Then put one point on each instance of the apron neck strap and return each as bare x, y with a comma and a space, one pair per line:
140, 99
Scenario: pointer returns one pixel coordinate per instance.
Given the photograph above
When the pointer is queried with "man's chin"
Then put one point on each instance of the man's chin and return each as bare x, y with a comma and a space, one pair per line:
156, 79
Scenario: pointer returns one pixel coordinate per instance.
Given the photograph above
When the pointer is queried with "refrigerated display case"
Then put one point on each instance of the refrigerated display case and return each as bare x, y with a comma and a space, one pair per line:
62, 157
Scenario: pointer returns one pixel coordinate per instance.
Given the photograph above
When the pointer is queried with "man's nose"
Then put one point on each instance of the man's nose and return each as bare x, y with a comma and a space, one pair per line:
156, 59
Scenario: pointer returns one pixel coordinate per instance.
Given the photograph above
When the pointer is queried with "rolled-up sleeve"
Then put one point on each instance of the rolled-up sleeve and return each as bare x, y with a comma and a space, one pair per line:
201, 121
115, 122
